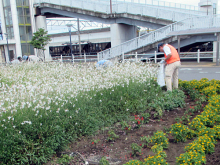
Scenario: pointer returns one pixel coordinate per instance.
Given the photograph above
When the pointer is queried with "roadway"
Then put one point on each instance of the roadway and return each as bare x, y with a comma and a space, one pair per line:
191, 70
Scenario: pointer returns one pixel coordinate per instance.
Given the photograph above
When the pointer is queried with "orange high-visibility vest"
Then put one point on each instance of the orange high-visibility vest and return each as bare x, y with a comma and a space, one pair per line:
175, 56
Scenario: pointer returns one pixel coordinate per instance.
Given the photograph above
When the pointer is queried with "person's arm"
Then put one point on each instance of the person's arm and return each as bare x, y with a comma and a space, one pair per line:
168, 57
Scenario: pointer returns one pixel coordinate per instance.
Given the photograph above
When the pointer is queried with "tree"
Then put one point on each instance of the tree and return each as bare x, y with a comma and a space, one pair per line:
40, 40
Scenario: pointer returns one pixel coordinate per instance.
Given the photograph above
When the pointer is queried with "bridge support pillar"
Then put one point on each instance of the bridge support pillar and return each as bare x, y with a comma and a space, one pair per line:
41, 23
121, 33
215, 47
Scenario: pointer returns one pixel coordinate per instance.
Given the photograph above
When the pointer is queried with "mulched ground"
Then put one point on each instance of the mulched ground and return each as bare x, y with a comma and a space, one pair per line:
119, 152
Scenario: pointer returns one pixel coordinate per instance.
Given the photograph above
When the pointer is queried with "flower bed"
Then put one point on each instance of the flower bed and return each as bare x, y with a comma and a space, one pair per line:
44, 107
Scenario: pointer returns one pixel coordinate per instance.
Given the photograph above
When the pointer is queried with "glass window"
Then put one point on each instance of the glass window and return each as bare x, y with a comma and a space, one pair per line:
20, 20
28, 32
26, 3
20, 11
27, 20
22, 2
19, 2
22, 33
31, 49
27, 49
6, 3
27, 11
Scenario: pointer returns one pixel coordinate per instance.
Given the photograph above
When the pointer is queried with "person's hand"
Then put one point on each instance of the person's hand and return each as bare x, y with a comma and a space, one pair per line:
162, 62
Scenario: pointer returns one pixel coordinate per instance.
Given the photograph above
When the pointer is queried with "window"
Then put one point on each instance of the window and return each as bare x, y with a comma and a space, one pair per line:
8, 19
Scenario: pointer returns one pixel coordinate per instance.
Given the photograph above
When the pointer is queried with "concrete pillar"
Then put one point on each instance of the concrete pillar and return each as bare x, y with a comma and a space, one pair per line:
121, 33
16, 28
215, 50
41, 23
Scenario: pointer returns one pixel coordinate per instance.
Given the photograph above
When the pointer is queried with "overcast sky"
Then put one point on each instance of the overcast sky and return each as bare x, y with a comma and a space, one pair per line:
190, 2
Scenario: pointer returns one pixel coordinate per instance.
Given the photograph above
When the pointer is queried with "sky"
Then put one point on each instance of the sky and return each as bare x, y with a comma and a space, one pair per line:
190, 2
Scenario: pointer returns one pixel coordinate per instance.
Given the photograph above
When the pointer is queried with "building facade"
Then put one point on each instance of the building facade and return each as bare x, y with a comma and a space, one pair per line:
17, 20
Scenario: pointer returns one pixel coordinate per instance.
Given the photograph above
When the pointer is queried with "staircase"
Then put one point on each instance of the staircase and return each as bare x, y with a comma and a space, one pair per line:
160, 34
173, 15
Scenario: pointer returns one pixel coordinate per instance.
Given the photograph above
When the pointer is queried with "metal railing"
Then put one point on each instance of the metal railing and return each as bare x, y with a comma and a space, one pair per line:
136, 57
77, 58
154, 57
159, 34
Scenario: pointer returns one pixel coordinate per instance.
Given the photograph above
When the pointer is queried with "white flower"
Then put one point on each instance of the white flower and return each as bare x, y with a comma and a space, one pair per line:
76, 124
19, 132
100, 100
66, 110
9, 117
14, 126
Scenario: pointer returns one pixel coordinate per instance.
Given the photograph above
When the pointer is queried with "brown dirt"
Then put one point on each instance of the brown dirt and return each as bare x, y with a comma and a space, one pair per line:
120, 150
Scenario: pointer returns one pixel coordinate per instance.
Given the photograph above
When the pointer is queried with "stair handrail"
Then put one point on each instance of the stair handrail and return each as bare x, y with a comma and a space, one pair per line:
160, 34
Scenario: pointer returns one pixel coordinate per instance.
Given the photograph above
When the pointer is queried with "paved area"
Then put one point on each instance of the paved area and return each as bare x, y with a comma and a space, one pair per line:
201, 64
192, 70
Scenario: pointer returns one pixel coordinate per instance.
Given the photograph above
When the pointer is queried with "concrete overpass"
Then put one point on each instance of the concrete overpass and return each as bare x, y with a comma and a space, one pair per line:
125, 16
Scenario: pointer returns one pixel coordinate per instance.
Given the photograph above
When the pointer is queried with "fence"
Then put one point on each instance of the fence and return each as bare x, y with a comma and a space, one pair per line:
76, 58
137, 57
154, 57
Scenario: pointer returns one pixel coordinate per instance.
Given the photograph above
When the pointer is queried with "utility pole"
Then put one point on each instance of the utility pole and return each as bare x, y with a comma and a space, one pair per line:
80, 53
69, 27
6, 34
217, 49
111, 6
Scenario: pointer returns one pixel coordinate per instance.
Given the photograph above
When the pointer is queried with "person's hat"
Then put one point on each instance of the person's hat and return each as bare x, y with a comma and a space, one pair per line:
158, 46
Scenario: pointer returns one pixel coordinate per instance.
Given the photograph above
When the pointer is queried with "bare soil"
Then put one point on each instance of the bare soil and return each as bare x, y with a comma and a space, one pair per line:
119, 152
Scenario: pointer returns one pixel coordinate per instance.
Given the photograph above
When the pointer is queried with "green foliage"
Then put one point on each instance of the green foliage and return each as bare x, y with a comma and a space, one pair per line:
159, 158
191, 157
146, 117
181, 132
134, 162
125, 125
52, 130
40, 39
64, 160
157, 148
146, 140
112, 136
159, 137
103, 161
167, 101
136, 149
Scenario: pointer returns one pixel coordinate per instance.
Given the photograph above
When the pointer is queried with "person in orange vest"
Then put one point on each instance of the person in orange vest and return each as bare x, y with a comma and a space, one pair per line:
172, 60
